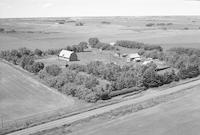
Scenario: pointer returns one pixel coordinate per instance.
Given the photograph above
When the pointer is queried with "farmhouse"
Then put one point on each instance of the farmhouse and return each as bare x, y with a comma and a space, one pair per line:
134, 57
68, 55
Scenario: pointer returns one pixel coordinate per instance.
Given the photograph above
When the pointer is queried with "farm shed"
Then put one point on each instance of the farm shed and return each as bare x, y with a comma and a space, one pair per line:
134, 57
68, 55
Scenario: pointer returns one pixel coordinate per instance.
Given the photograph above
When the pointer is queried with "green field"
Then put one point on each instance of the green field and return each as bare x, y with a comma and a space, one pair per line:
46, 33
22, 96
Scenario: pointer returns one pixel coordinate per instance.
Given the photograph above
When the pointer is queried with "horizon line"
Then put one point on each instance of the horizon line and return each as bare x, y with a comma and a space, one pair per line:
26, 17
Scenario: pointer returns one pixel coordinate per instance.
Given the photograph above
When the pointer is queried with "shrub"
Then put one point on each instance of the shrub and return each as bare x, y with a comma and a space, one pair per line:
83, 44
93, 41
105, 22
53, 51
151, 78
154, 54
38, 52
53, 70
77, 67
2, 29
76, 48
26, 61
43, 74
79, 24
169, 77
36, 67
25, 51
150, 24
188, 72
69, 89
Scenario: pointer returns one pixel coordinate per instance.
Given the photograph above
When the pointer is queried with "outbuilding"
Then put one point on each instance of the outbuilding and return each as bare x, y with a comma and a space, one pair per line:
134, 57
112, 43
68, 55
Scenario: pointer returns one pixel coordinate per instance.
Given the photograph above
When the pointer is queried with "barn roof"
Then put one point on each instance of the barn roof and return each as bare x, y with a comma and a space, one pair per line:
65, 53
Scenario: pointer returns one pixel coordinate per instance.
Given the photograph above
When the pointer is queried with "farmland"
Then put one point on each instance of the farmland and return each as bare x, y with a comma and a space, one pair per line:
116, 56
176, 117
22, 96
44, 33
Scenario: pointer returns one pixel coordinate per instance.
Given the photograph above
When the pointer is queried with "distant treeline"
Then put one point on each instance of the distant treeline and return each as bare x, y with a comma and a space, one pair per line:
158, 24
96, 43
138, 45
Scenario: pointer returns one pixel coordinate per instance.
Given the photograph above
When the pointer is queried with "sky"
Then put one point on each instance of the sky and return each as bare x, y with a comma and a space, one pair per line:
65, 8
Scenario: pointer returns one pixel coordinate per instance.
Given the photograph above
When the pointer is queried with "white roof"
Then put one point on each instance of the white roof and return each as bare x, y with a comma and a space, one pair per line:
134, 55
65, 53
112, 43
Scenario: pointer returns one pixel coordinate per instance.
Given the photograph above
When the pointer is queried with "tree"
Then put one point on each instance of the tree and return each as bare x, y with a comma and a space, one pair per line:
37, 66
24, 51
53, 70
188, 72
83, 44
151, 78
26, 61
38, 52
93, 41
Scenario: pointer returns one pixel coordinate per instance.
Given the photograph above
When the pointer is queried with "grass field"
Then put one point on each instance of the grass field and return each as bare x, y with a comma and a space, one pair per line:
22, 96
45, 33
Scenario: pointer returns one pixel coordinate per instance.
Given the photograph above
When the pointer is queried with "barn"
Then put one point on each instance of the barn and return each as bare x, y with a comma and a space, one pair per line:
68, 55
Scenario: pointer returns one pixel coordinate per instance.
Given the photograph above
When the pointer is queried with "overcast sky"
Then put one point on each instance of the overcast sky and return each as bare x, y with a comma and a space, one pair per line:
64, 8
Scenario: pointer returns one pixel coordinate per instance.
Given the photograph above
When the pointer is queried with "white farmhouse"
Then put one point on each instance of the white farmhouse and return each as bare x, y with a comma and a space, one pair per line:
68, 55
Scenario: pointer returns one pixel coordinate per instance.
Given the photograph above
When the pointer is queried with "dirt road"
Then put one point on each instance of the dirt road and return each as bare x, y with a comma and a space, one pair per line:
177, 117
102, 110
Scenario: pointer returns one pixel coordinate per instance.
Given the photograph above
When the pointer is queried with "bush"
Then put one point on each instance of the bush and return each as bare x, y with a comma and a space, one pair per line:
105, 22
188, 72
38, 52
79, 24
93, 41
77, 67
76, 48
53, 70
154, 54
26, 61
83, 44
151, 78
36, 67
25, 51
2, 29
150, 24
169, 77
53, 51
69, 89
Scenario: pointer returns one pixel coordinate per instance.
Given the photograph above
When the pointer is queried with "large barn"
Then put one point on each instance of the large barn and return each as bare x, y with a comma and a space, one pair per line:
68, 55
